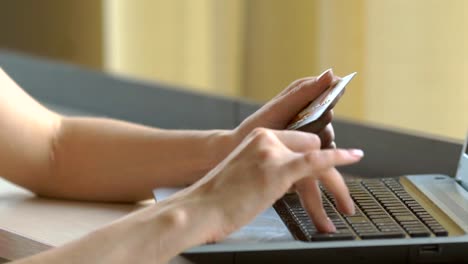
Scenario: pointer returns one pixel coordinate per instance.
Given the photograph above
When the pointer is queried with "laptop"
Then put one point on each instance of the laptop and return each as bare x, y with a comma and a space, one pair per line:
409, 219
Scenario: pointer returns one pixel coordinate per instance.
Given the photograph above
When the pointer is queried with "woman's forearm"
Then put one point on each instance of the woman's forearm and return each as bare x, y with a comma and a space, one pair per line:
152, 235
109, 160
97, 158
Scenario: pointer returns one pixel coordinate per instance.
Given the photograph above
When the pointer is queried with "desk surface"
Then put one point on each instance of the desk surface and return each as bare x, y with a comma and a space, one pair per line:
29, 224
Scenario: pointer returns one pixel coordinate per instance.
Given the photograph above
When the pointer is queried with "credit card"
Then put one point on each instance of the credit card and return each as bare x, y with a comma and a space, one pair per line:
321, 104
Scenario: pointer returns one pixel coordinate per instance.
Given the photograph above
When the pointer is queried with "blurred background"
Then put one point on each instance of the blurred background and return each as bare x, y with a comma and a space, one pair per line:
411, 55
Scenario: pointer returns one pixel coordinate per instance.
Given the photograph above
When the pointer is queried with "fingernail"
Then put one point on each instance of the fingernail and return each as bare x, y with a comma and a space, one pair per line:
330, 226
353, 208
321, 76
356, 153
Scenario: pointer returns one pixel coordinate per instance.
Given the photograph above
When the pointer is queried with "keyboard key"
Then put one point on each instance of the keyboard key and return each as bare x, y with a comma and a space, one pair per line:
396, 209
382, 235
393, 204
419, 233
436, 226
430, 222
374, 217
369, 211
331, 236
440, 232
364, 227
414, 226
356, 219
387, 220
394, 229
384, 209
366, 230
387, 225
401, 214
403, 218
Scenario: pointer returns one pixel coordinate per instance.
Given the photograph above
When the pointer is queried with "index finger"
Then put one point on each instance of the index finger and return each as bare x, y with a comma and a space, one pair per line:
318, 161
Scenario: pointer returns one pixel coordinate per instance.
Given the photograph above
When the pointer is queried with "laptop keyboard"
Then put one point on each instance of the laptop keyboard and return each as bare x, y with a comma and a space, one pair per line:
383, 210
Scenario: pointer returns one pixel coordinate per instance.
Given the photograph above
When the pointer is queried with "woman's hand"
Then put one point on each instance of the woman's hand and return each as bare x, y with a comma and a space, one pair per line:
259, 171
278, 112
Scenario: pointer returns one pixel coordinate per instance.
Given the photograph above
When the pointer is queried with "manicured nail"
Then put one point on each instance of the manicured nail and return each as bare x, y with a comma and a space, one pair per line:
330, 226
356, 153
321, 76
353, 208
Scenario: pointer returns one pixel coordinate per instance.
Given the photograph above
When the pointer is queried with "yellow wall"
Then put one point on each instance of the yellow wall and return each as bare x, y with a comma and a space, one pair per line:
194, 43
341, 38
280, 46
411, 56
417, 65
66, 30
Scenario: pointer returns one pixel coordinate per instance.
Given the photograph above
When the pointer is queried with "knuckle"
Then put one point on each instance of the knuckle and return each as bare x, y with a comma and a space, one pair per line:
265, 154
293, 85
299, 86
259, 132
313, 158
315, 140
262, 135
328, 117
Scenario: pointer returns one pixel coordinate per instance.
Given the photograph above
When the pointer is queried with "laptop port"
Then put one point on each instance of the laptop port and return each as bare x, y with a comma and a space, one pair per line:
429, 250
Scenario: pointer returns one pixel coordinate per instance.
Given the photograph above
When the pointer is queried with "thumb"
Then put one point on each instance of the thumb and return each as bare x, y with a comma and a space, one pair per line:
292, 102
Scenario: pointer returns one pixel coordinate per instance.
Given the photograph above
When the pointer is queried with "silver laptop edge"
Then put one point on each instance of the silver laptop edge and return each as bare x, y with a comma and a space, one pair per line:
462, 171
447, 193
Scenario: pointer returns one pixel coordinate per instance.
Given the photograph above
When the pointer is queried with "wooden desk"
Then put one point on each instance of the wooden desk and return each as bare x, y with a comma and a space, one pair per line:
29, 225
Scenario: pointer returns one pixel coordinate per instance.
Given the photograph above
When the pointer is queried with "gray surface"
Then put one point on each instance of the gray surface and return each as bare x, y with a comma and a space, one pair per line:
153, 104
394, 153
388, 152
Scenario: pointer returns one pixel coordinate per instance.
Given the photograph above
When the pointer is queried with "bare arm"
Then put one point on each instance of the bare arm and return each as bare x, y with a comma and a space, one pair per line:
97, 158
151, 235
263, 167
102, 159
109, 160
